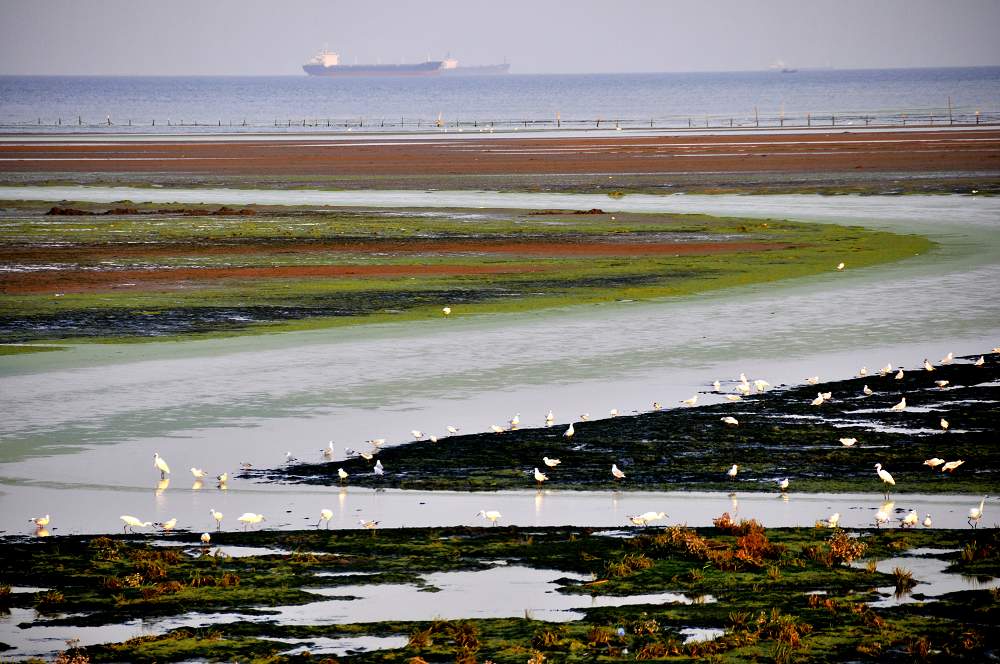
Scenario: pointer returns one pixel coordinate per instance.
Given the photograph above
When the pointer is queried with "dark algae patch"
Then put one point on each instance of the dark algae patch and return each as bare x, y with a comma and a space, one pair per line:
770, 594
780, 435
129, 272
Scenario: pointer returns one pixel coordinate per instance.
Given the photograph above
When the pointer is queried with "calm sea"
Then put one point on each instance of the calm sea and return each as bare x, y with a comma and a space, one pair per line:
58, 103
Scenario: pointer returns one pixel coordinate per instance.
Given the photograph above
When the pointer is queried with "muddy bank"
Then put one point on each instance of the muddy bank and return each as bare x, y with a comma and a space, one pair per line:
780, 434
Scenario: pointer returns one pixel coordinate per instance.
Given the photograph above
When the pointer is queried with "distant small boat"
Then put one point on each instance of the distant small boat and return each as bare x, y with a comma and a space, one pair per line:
779, 65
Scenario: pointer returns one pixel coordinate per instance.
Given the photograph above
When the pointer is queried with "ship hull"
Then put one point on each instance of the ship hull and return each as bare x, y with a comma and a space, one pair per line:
484, 70
364, 71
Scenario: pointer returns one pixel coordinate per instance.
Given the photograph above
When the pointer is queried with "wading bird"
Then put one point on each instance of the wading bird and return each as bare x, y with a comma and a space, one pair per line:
944, 424
951, 466
934, 462
490, 515
205, 538
899, 407
867, 391
370, 525
927, 365
812, 380
540, 476
645, 518
899, 375
160, 465
833, 520
885, 370
198, 473
325, 515
886, 478
417, 434
613, 412
378, 469
342, 474
570, 431
840, 266
729, 420
222, 479
452, 430
862, 372
733, 471
716, 386
515, 421
783, 484
761, 385
927, 521
948, 359
250, 519
446, 311
551, 463
328, 450
169, 524
616, 472
976, 513
942, 383
848, 442
690, 402
40, 521
133, 523
818, 401
217, 516
910, 519
980, 362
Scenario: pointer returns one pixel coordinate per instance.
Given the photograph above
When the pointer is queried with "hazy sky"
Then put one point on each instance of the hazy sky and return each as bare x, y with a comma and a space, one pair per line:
277, 36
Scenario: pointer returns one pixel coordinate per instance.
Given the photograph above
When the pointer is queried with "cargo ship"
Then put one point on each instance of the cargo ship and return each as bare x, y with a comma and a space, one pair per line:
327, 63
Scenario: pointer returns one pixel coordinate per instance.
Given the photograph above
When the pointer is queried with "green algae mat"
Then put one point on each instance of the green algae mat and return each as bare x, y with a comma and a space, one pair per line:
128, 272
798, 594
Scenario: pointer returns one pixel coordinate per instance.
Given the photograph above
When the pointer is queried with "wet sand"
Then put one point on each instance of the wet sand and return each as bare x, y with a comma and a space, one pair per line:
838, 151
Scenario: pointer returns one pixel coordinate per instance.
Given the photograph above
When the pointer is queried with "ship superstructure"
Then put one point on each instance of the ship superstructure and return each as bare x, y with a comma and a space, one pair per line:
327, 63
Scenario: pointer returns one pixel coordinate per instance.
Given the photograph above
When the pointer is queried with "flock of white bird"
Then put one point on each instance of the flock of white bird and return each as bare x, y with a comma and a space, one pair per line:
744, 387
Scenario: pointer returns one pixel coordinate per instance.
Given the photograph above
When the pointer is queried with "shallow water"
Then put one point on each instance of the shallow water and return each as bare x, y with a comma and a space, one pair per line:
932, 580
81, 426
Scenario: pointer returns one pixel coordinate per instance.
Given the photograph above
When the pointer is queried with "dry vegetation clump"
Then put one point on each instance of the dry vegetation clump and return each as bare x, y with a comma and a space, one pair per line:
841, 548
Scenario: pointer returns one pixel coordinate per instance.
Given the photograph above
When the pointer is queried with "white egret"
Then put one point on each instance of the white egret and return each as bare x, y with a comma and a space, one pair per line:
899, 407
927, 521
812, 380
325, 515
250, 519
515, 421
927, 365
910, 520
716, 386
205, 538
690, 402
848, 442
951, 466
899, 375
198, 473
729, 420
432, 438
328, 450
132, 522
646, 517
884, 370
342, 474
40, 521
540, 476
742, 388
490, 515
452, 430
613, 412
217, 516
569, 432
976, 513
818, 401
980, 362
886, 478
379, 470
948, 359
496, 429
862, 372
551, 463
169, 524
867, 391
584, 417
827, 396
369, 524
840, 266
734, 397
834, 520
761, 385
160, 465
732, 471
446, 311
657, 405
416, 434
783, 484
934, 463
289, 458
945, 424
942, 383
377, 442
616, 472
549, 418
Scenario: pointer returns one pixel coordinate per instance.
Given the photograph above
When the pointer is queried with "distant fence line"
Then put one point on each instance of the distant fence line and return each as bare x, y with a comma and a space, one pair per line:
912, 117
